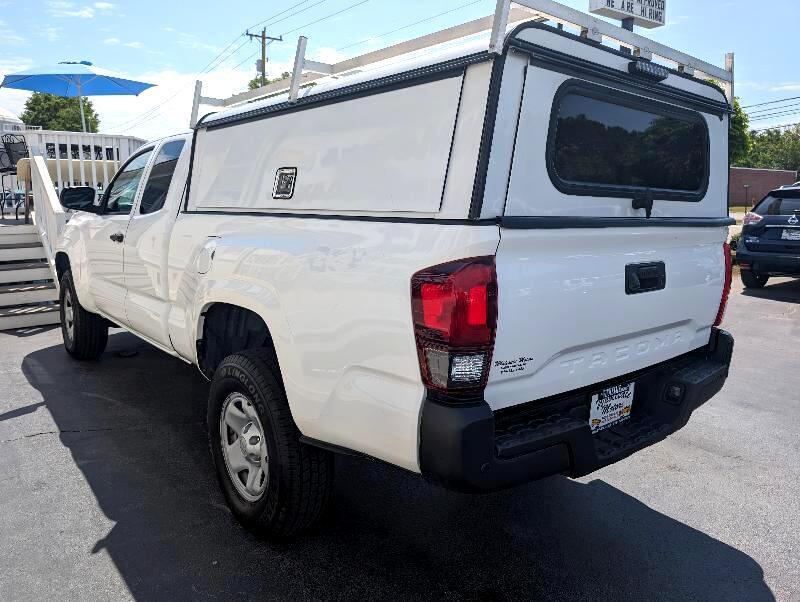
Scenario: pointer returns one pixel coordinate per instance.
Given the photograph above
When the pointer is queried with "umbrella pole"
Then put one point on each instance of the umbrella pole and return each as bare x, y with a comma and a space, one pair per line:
80, 102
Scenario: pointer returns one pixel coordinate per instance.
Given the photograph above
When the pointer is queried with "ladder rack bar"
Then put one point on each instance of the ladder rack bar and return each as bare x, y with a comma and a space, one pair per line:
506, 12
597, 27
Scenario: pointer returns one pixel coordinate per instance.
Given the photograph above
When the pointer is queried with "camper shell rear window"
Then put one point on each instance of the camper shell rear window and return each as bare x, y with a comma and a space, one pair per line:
608, 143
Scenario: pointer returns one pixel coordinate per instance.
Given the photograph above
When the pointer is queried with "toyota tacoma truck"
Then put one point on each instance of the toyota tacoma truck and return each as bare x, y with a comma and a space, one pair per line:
485, 267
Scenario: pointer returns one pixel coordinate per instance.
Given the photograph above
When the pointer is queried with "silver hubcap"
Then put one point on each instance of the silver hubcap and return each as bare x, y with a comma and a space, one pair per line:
69, 315
244, 447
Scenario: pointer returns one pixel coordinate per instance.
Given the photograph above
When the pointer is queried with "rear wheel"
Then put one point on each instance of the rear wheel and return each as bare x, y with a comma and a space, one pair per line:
85, 334
272, 482
752, 279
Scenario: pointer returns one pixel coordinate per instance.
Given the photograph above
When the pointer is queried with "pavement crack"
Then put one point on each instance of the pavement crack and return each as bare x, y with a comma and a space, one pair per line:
140, 427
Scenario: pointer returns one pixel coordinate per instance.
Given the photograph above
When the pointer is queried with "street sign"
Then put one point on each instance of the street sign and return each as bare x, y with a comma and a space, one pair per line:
645, 13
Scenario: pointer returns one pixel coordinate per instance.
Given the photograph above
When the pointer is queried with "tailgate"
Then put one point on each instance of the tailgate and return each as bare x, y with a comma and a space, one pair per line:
566, 318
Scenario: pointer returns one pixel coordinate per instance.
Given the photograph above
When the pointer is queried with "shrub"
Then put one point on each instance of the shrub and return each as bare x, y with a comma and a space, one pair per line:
735, 241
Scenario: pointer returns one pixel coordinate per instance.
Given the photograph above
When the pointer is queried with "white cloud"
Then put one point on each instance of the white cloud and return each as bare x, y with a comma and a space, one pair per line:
59, 8
193, 43
9, 35
10, 99
328, 55
134, 45
12, 65
111, 41
50, 33
166, 108
786, 87
64, 8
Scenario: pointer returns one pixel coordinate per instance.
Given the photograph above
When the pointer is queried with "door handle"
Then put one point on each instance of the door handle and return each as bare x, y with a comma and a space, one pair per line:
117, 237
645, 277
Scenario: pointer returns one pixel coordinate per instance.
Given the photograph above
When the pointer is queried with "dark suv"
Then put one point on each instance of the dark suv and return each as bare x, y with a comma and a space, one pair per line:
770, 243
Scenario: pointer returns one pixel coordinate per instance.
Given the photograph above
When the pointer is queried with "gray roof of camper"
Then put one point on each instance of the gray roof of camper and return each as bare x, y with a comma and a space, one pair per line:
394, 66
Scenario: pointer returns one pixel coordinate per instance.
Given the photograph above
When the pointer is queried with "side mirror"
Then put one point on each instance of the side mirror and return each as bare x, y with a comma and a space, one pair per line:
79, 198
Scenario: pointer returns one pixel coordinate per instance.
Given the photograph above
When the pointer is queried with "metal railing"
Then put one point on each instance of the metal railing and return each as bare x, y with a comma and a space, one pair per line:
507, 12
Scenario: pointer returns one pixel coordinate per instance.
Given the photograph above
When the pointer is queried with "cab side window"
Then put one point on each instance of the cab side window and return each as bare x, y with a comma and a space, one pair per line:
155, 191
122, 191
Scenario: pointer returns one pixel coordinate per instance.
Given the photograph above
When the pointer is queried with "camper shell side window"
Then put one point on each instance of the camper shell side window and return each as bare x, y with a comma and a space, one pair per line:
603, 142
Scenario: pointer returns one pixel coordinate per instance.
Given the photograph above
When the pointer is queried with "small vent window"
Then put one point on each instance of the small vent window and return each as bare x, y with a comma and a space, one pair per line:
604, 142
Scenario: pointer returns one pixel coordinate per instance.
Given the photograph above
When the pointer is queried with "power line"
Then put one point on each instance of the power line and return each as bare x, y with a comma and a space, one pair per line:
771, 102
778, 114
431, 18
151, 112
757, 111
334, 14
338, 12
154, 111
287, 16
776, 127
286, 10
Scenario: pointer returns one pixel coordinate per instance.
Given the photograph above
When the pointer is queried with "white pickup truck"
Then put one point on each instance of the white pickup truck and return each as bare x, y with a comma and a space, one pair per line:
484, 267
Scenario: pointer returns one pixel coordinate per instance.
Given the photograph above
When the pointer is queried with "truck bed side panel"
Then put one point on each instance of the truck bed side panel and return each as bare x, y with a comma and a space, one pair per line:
336, 297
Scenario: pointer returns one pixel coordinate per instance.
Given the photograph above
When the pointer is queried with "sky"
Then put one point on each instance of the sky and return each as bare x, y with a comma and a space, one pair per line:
173, 43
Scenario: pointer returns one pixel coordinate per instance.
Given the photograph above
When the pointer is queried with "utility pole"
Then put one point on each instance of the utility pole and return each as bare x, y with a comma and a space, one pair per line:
263, 37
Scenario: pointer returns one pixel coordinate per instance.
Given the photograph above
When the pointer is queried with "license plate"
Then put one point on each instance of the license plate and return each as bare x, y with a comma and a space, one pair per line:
790, 234
611, 406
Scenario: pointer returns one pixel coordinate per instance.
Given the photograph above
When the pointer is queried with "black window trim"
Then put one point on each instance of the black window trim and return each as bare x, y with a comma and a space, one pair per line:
150, 173
619, 97
104, 202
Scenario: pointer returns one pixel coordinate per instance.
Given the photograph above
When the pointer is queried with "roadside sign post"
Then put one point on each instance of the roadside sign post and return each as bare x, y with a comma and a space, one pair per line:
644, 13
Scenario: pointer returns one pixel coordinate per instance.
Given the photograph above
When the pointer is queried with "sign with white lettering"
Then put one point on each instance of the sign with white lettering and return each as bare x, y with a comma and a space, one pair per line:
645, 13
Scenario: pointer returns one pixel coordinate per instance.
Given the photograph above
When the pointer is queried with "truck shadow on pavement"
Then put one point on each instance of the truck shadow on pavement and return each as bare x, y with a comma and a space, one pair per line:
135, 428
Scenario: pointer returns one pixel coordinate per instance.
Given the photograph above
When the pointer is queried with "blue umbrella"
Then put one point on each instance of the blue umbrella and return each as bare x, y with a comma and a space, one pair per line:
73, 79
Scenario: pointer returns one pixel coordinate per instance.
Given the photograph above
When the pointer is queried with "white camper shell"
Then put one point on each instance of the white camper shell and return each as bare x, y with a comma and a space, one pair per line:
579, 190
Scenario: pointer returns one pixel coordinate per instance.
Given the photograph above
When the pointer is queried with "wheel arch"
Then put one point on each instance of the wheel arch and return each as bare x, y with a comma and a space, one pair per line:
62, 264
224, 328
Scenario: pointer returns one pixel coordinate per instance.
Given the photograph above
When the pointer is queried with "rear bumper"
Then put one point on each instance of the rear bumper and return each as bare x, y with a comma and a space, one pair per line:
471, 448
768, 263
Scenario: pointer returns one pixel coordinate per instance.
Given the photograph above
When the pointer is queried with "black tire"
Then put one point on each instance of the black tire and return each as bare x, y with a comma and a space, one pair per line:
87, 338
300, 480
751, 279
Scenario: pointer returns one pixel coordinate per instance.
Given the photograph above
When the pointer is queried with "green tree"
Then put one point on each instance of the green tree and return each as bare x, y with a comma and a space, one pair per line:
776, 149
256, 82
740, 141
59, 113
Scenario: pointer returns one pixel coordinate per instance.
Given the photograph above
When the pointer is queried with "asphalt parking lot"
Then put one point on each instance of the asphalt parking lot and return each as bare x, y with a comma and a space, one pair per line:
107, 492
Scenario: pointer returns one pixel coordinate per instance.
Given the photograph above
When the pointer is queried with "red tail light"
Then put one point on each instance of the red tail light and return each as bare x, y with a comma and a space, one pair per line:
751, 218
726, 289
454, 308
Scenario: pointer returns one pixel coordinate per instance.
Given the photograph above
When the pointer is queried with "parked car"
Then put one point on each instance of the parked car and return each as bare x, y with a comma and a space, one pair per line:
486, 269
770, 242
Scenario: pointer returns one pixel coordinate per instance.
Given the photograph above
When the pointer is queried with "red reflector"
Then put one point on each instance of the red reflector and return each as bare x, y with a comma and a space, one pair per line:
437, 305
726, 289
477, 305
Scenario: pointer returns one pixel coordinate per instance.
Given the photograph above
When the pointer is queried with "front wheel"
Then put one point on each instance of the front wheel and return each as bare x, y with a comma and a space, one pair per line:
85, 334
272, 482
751, 279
